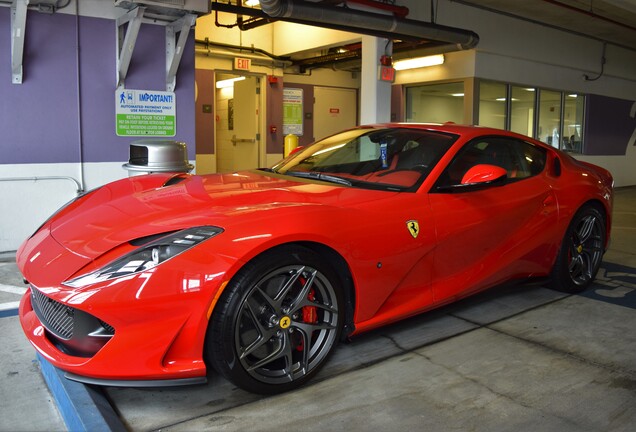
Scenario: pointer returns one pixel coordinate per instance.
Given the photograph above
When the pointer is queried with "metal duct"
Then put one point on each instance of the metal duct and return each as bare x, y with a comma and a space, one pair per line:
358, 21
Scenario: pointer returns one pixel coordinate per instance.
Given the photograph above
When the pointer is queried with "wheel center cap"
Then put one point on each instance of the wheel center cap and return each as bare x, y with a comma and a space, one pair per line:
579, 249
284, 322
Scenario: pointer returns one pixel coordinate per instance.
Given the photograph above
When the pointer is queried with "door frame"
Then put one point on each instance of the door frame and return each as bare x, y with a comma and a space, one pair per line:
262, 120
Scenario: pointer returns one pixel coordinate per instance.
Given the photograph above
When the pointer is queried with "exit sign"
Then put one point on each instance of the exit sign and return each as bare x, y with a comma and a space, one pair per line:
242, 63
387, 73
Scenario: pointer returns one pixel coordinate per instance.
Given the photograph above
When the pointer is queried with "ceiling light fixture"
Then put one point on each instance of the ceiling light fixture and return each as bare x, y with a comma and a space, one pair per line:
419, 62
228, 82
252, 3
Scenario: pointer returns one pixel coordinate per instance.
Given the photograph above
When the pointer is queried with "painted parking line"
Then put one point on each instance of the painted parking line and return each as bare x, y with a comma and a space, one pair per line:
10, 309
12, 289
614, 284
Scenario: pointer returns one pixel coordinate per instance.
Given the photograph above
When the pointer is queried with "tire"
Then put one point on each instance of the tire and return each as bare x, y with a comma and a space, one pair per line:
277, 322
581, 252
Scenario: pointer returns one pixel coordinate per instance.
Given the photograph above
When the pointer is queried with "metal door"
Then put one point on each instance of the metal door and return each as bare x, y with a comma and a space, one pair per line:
335, 109
238, 134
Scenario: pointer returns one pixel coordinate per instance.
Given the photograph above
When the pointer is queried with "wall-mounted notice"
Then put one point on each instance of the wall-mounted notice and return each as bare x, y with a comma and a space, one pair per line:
145, 113
292, 111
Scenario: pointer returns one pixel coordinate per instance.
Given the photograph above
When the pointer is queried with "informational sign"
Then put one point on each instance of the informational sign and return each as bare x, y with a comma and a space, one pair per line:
242, 63
145, 113
292, 111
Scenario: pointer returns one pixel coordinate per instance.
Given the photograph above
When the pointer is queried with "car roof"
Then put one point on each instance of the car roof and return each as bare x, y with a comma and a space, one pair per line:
465, 131
450, 127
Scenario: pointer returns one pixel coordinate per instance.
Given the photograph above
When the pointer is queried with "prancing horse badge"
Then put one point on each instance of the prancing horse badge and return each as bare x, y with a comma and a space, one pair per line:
414, 227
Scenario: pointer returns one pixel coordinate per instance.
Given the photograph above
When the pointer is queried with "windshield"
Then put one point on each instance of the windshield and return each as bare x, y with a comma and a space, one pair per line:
389, 158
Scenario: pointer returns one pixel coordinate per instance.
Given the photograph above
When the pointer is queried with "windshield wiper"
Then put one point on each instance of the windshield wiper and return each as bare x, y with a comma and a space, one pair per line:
319, 176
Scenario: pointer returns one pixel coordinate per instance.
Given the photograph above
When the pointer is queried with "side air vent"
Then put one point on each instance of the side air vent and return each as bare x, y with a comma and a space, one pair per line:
174, 180
556, 167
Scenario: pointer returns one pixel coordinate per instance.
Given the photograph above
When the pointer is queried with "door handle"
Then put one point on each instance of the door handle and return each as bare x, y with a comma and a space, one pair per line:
235, 140
549, 201
549, 205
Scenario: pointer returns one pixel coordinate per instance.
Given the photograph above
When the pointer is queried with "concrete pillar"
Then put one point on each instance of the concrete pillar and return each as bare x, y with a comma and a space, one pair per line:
375, 95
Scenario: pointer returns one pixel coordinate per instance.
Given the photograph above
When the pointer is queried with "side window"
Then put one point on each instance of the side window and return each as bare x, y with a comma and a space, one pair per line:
520, 159
532, 158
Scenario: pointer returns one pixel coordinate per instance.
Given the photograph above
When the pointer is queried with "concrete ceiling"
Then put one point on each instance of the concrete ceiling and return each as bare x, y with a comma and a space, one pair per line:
612, 21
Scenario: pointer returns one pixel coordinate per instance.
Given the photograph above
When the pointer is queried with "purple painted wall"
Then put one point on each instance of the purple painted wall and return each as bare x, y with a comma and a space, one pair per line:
609, 124
204, 116
397, 103
275, 140
39, 118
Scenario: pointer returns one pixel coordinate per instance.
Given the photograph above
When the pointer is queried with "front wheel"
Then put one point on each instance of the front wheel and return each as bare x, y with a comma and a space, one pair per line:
277, 321
581, 252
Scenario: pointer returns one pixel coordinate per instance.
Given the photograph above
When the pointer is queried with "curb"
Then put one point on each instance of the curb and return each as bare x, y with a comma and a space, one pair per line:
82, 407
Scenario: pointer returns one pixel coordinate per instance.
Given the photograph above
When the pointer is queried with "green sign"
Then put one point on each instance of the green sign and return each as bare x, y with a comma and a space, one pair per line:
293, 111
145, 113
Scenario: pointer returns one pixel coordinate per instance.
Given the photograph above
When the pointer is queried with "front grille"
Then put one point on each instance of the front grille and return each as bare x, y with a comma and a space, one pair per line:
56, 317
71, 330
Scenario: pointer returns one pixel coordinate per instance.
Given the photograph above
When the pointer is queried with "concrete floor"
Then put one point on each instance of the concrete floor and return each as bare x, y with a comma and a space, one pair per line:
516, 358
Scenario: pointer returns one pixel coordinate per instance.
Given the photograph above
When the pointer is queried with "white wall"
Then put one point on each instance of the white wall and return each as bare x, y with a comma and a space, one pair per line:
293, 38
260, 37
28, 203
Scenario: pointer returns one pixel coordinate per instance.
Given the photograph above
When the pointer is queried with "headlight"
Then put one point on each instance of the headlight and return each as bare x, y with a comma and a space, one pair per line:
147, 256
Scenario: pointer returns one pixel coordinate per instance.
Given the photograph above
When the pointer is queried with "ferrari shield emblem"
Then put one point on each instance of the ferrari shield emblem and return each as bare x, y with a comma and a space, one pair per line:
413, 227
285, 322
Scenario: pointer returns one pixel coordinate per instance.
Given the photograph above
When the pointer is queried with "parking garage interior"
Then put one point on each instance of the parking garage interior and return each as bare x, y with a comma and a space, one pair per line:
244, 76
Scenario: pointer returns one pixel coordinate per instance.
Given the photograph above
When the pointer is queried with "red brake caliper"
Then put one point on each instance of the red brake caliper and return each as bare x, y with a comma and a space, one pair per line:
310, 316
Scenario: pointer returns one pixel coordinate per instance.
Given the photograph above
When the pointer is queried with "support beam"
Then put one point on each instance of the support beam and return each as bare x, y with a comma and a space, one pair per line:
126, 40
375, 95
18, 26
175, 46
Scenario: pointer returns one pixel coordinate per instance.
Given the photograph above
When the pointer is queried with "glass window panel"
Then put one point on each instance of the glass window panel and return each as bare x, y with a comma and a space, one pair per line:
522, 110
492, 104
549, 117
573, 123
436, 103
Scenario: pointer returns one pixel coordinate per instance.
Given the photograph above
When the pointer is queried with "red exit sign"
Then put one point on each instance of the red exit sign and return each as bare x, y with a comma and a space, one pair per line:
387, 73
242, 63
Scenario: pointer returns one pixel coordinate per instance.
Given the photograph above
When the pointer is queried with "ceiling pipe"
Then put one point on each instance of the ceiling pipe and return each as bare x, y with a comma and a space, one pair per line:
369, 23
240, 10
242, 49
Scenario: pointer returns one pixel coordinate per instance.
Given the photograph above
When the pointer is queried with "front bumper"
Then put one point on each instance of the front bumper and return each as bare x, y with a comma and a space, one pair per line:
121, 336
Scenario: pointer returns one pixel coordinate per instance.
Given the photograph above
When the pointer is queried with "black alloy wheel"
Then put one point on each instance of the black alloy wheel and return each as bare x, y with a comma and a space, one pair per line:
277, 322
581, 252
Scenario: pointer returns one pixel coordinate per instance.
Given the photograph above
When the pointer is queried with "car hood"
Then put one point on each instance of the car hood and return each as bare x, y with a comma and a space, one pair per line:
152, 204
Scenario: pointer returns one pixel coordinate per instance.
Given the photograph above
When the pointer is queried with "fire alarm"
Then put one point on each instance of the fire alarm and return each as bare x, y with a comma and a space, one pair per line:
273, 129
386, 60
272, 79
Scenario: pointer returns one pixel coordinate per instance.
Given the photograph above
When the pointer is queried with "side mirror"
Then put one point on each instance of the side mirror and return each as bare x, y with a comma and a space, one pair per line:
483, 174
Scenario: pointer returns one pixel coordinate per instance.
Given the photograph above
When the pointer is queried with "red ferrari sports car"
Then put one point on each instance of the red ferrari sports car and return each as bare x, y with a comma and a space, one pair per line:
153, 279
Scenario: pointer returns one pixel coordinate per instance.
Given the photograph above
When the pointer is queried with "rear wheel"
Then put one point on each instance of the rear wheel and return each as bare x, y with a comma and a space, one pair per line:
277, 321
581, 252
